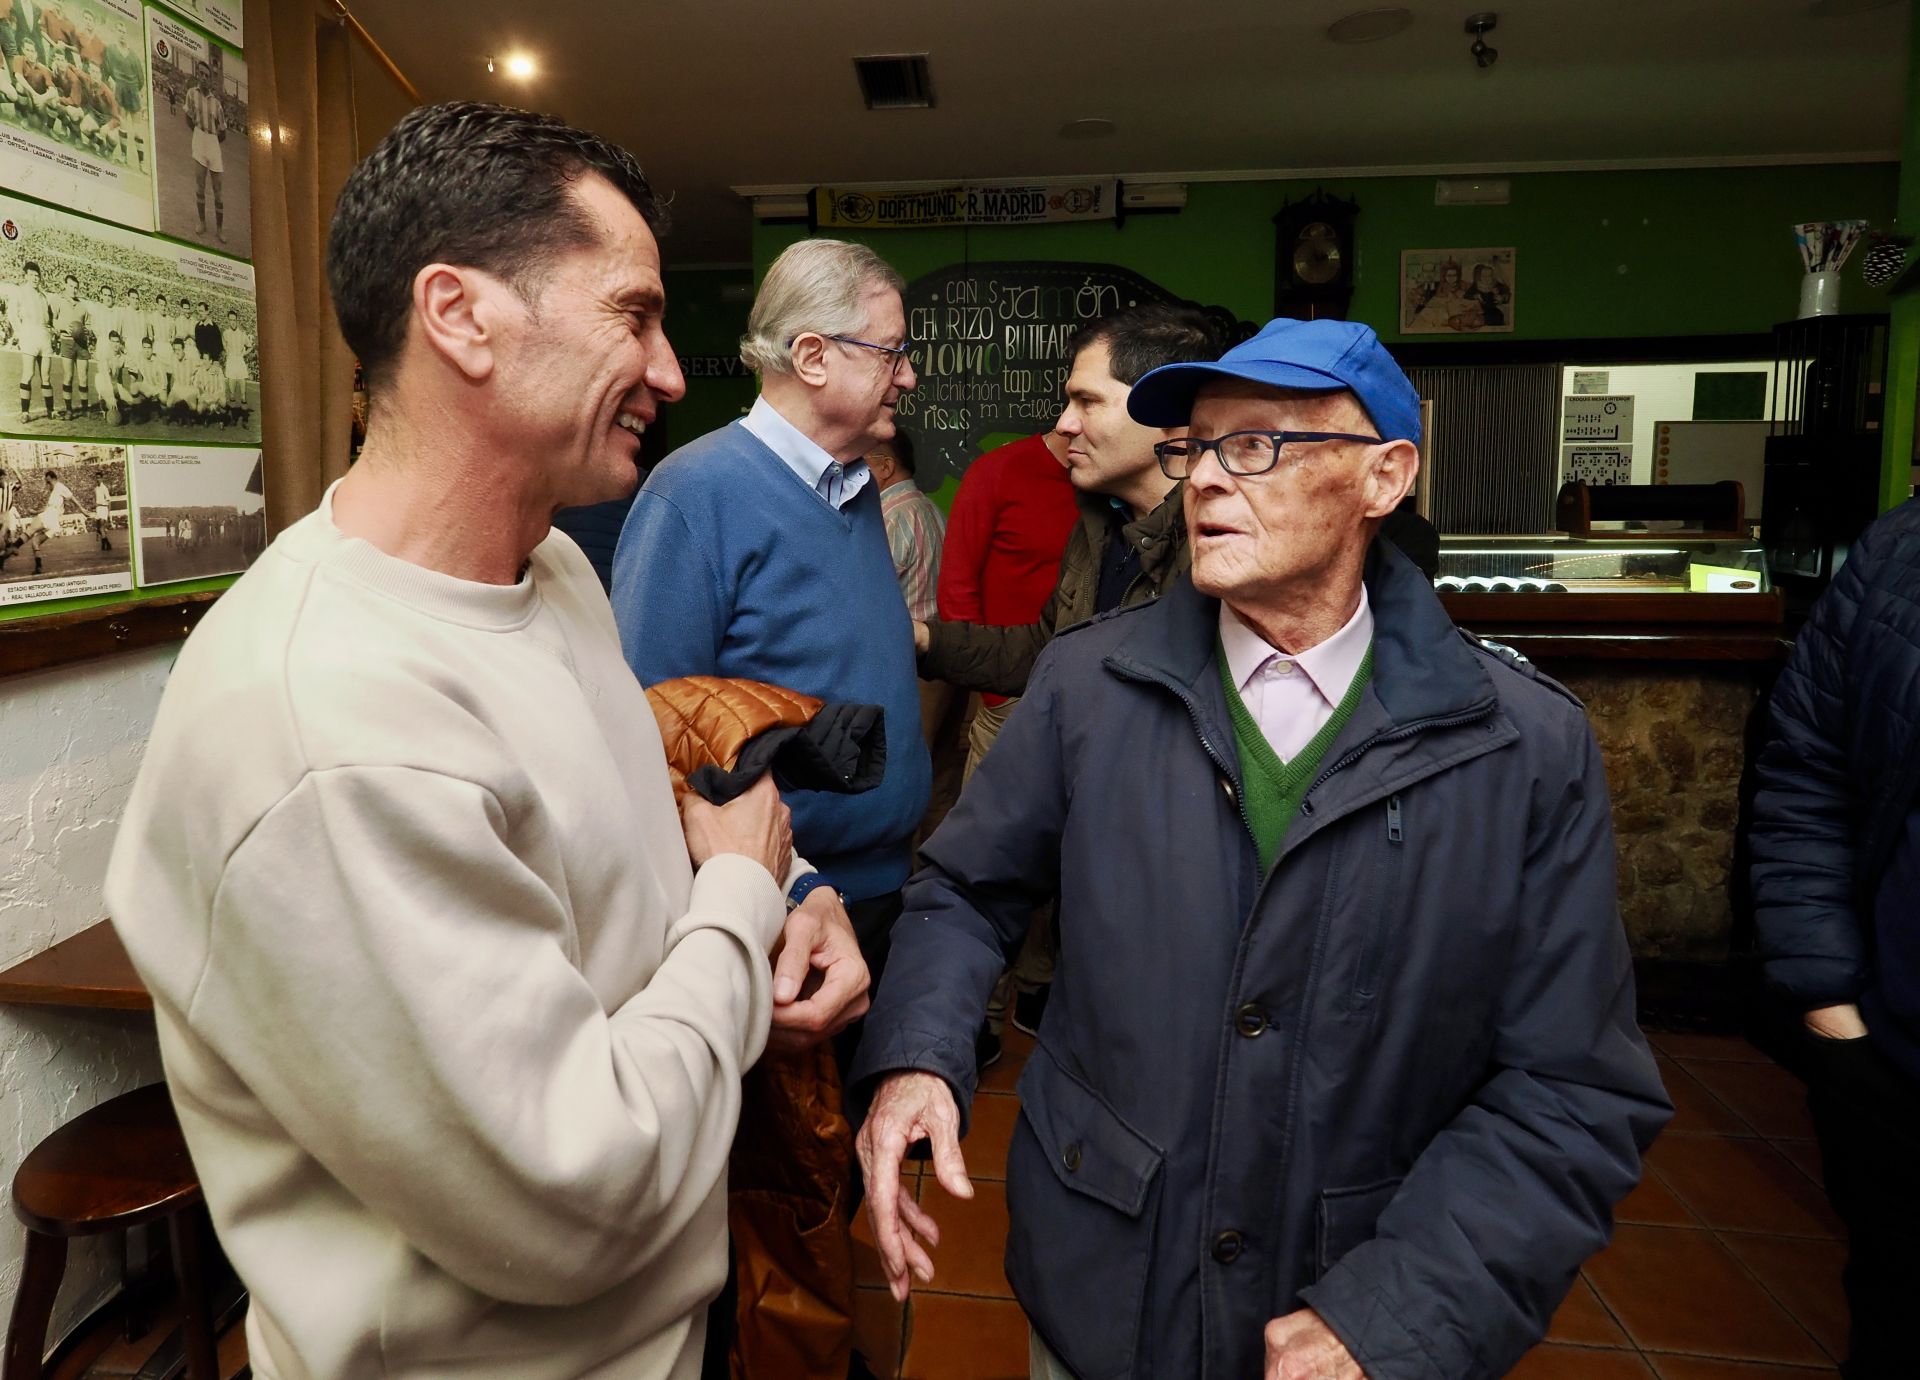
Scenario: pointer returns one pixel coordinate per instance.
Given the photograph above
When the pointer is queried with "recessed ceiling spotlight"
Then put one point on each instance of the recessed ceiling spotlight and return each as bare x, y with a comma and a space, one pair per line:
1088, 129
520, 66
1368, 26
1834, 9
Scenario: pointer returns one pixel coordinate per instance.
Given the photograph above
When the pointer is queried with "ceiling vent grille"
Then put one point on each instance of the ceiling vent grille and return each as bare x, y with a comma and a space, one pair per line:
895, 81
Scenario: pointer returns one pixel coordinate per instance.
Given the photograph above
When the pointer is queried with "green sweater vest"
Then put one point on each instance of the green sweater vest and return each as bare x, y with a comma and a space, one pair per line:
1271, 789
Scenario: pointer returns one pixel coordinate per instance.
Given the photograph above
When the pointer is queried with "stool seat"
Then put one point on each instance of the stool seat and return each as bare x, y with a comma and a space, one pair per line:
121, 1164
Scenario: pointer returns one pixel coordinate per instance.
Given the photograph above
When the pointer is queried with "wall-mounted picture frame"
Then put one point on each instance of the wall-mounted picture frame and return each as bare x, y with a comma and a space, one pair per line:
64, 519
110, 335
1456, 291
74, 127
202, 179
198, 511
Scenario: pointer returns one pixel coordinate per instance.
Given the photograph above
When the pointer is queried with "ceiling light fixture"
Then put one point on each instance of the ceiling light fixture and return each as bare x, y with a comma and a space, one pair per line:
1480, 25
1370, 26
1088, 129
519, 66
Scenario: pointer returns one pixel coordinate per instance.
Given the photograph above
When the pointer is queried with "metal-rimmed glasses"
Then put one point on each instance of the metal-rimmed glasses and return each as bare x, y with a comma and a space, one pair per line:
896, 354
1246, 453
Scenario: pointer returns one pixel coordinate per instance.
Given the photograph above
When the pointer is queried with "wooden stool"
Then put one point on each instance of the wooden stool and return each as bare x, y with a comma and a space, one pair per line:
120, 1165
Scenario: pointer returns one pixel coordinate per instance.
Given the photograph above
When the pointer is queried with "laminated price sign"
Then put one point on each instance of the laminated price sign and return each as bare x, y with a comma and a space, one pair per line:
1597, 465
1592, 419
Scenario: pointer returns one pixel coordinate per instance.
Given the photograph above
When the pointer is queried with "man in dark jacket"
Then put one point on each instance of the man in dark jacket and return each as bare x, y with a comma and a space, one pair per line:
1836, 882
1130, 542
1340, 1076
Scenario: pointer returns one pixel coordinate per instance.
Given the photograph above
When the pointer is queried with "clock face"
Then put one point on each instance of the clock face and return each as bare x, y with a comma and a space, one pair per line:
1316, 254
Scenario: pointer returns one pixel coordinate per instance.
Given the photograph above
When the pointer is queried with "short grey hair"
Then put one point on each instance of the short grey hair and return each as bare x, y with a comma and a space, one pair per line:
815, 285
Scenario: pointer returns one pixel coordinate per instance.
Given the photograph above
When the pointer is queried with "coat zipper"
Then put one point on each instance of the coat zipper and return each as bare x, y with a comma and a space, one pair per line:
1394, 833
1404, 731
1235, 787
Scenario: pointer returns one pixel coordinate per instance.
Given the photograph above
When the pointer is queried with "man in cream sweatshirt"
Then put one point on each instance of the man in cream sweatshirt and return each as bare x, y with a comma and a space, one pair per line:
453, 1004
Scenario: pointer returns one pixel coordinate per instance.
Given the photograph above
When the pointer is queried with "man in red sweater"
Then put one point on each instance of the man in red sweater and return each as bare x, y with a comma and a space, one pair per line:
1006, 533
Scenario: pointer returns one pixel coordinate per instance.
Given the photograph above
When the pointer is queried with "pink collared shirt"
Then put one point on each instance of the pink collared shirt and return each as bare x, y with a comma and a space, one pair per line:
1291, 697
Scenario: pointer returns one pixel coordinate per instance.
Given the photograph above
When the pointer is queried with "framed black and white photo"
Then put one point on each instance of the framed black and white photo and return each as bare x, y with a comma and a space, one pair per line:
63, 521
73, 107
110, 335
222, 18
199, 100
198, 511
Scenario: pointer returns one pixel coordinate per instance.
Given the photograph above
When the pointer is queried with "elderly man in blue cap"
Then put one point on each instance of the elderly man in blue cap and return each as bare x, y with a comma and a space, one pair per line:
1340, 1076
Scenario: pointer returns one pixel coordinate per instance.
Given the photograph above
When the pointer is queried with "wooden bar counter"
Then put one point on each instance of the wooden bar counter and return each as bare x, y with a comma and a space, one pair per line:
1675, 685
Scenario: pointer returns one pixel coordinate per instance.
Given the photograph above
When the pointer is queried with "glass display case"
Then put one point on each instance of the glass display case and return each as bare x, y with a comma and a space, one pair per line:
1662, 563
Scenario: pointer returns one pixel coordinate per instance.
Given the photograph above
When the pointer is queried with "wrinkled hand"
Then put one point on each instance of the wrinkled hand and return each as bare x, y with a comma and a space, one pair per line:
909, 1107
1302, 1347
819, 978
1836, 1022
756, 825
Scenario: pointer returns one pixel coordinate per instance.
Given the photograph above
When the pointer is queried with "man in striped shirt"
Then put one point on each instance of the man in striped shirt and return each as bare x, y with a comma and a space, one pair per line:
915, 527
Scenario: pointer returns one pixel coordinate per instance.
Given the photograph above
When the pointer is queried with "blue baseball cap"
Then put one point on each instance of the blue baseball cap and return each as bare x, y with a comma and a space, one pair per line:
1316, 356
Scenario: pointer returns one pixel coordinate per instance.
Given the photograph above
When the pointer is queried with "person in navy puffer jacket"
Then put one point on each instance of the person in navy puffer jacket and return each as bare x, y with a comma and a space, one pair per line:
1836, 880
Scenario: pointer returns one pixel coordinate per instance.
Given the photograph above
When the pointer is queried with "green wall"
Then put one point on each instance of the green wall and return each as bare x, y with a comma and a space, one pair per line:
706, 315
1697, 252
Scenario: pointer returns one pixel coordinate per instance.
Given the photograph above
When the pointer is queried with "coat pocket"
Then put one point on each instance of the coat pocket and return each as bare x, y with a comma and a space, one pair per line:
1082, 1202
1346, 1217
1380, 903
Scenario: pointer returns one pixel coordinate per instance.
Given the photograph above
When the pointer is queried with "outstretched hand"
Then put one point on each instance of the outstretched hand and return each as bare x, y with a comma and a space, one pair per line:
909, 1107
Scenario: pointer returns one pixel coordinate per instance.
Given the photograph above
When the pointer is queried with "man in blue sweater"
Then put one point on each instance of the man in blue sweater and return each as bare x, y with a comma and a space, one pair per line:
1836, 890
759, 551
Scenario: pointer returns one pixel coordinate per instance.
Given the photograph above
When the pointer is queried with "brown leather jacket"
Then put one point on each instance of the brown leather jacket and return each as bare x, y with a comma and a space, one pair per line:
790, 1175
708, 719
976, 656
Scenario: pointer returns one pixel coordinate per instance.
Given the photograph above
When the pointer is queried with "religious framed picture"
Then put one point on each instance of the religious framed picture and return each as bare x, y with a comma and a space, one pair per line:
1456, 291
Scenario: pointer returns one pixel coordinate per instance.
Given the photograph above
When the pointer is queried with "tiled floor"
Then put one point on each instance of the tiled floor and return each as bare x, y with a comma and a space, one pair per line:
1725, 1265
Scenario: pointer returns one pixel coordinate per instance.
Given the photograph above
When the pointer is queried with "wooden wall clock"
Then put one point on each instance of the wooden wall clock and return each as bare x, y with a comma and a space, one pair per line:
1314, 257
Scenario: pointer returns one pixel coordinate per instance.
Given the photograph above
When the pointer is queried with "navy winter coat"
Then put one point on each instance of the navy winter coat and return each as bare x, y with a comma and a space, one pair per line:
1838, 780
1399, 1082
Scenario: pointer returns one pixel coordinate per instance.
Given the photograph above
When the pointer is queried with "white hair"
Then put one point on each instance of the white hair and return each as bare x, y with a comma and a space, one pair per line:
815, 285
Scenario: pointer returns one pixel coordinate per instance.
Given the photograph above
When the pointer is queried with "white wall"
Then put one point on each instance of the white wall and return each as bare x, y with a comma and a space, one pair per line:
1661, 393
70, 743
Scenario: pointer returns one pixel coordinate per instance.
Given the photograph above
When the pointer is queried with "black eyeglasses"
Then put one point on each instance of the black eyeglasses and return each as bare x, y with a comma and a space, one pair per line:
896, 354
1246, 453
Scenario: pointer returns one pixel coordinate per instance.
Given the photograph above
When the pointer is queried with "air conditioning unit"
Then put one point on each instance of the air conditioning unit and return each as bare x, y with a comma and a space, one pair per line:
1153, 196
1472, 191
782, 205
